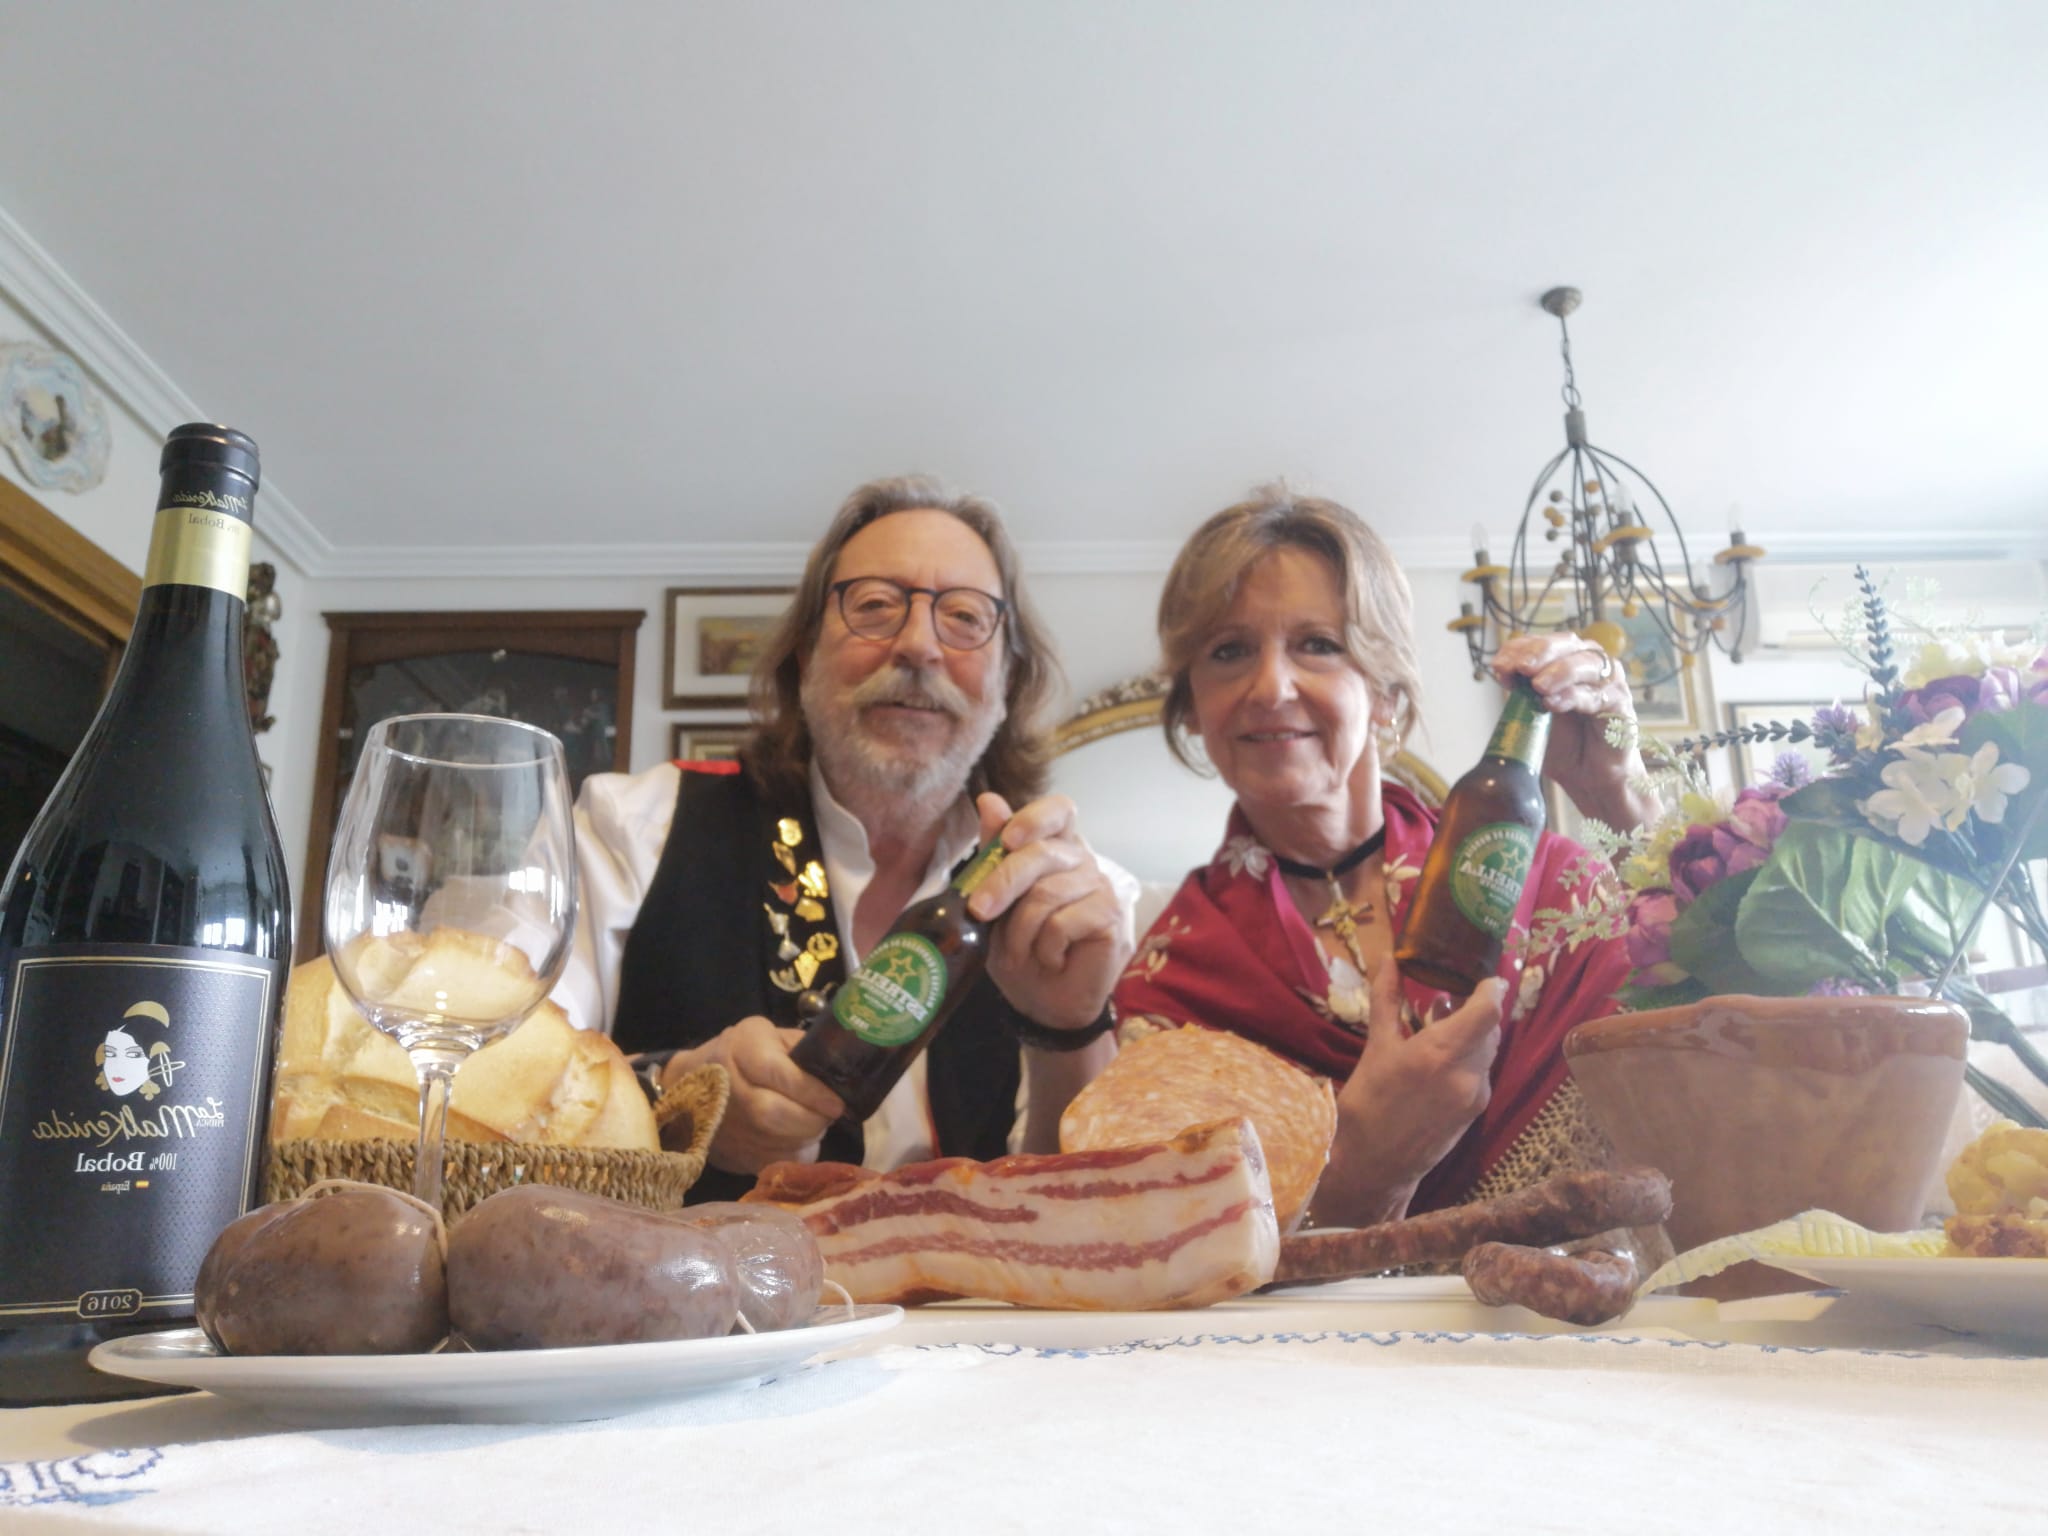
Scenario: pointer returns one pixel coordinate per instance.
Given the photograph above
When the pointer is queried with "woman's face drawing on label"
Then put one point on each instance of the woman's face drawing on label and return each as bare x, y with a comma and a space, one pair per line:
125, 1061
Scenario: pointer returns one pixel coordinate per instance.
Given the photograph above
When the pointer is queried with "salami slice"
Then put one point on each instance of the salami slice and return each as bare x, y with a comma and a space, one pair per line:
1164, 1082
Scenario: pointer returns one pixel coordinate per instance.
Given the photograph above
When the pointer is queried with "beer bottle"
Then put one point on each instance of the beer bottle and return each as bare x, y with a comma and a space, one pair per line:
906, 989
1479, 862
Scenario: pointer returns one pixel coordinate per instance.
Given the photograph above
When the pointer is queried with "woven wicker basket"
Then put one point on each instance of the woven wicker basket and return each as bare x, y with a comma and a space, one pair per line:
688, 1114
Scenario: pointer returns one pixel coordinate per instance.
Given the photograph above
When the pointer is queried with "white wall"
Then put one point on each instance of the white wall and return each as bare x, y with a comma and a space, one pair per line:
117, 515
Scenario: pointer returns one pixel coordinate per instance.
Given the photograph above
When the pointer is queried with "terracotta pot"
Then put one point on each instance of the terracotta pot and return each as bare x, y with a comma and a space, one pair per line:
1762, 1107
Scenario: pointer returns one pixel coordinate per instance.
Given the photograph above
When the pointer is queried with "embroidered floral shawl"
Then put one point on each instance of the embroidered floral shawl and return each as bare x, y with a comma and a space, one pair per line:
1231, 951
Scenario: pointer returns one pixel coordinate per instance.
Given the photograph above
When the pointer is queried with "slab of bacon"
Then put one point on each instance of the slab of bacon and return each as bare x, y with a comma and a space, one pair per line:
1177, 1223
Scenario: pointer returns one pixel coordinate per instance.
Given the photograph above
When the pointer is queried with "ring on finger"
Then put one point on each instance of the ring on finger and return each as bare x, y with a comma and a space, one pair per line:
1606, 665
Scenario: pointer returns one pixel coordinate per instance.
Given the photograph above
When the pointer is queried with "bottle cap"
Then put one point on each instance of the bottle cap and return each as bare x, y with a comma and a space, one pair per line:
202, 442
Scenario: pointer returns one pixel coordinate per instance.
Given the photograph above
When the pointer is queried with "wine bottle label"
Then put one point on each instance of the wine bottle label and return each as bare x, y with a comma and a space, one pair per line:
1488, 871
199, 546
132, 1086
896, 992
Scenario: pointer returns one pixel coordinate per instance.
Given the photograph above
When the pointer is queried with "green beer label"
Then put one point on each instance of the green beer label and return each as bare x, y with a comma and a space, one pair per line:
898, 988
1487, 873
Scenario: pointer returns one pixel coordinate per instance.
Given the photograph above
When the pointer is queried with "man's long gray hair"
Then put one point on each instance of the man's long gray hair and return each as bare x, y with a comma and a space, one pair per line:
1014, 766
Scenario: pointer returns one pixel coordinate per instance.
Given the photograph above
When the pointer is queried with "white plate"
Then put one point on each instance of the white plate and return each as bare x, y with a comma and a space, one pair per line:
1998, 1296
1402, 1304
505, 1387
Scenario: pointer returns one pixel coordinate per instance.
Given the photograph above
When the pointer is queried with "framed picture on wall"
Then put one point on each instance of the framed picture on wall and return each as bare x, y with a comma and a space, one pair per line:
1671, 688
1672, 693
708, 741
1753, 760
714, 636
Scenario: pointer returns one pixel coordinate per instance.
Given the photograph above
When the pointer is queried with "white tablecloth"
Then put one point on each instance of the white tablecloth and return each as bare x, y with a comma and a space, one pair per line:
1261, 1418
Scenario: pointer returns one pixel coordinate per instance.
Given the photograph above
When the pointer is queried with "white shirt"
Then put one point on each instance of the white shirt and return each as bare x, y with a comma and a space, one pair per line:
622, 823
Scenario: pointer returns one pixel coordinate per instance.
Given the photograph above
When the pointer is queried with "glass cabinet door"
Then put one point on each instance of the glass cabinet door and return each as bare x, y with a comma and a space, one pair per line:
568, 672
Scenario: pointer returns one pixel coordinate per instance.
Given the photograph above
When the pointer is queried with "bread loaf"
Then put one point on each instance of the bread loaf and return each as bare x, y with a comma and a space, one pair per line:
341, 1079
1164, 1082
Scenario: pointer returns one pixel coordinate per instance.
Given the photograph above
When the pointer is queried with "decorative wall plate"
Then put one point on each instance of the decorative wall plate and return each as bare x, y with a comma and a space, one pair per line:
51, 418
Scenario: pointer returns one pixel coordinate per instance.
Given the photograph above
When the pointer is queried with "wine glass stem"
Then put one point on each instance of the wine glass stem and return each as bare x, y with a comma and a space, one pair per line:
437, 1082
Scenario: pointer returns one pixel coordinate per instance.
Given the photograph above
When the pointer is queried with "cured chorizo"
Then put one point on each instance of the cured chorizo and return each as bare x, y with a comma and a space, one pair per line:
1584, 1288
1554, 1210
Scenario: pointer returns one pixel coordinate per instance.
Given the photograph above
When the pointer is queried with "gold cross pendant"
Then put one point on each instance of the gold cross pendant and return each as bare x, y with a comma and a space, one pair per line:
1343, 916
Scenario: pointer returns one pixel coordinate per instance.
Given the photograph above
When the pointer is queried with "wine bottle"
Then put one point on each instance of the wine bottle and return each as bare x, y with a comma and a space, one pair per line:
1478, 863
907, 987
145, 929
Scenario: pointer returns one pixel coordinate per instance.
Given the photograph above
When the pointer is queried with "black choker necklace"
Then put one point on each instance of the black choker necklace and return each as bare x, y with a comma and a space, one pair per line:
1342, 867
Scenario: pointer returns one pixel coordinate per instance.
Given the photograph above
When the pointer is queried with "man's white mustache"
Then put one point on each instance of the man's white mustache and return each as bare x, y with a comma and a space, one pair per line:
932, 691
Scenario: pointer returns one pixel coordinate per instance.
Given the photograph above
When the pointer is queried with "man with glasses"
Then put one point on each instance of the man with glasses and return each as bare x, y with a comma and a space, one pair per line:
896, 710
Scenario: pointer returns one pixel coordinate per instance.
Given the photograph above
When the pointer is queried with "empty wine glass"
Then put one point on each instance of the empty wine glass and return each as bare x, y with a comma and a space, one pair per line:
451, 893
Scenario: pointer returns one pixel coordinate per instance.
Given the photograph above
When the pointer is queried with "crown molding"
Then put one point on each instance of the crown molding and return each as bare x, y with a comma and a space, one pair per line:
723, 563
735, 563
1870, 547
45, 292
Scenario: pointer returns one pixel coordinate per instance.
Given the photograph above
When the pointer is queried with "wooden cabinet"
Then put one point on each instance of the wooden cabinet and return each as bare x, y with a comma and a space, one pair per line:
568, 672
66, 607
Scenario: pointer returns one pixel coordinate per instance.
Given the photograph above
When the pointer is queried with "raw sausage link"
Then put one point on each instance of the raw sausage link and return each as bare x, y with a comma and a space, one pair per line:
1556, 1210
1589, 1287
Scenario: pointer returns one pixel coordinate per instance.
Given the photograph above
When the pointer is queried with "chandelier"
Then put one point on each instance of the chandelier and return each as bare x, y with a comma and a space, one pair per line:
1608, 580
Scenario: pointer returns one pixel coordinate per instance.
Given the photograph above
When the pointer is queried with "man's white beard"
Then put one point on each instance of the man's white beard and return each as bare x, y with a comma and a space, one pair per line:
861, 767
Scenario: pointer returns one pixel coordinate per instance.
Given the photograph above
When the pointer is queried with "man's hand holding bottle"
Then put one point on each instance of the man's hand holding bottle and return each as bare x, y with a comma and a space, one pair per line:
1064, 939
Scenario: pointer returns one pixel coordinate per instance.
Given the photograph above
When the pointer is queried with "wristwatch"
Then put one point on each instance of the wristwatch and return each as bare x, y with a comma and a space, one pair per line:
1042, 1037
647, 1067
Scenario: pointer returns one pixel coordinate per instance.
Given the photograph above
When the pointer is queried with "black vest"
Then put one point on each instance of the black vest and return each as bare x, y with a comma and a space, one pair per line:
706, 950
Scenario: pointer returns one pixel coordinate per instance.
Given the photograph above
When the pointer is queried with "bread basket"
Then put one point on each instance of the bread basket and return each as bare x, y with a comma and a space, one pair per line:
688, 1114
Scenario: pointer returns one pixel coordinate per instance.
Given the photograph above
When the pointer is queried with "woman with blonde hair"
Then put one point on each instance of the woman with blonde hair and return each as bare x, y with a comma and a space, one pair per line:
1286, 630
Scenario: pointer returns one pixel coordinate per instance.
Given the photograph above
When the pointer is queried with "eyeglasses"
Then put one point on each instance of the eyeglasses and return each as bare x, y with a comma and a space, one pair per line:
876, 608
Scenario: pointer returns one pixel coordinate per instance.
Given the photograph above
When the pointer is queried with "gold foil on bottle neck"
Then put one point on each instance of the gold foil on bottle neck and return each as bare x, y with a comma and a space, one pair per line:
195, 547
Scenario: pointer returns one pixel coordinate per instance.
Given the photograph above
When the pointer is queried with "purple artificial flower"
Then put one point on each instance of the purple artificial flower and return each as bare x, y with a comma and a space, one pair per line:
1648, 940
1790, 770
1762, 815
1837, 986
1834, 729
1696, 864
1706, 856
1998, 689
2034, 681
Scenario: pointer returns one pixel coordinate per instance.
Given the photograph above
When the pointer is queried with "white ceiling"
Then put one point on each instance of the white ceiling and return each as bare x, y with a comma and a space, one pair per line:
617, 275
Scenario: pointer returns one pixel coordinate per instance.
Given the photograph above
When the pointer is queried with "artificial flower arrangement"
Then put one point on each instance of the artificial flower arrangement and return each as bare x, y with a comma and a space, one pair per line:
1870, 878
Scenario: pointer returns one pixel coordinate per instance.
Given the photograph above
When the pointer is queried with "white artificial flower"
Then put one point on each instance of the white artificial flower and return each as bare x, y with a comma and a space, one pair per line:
1917, 797
1350, 997
1937, 659
1982, 783
1870, 734
1246, 855
1938, 732
1966, 655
